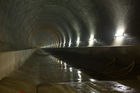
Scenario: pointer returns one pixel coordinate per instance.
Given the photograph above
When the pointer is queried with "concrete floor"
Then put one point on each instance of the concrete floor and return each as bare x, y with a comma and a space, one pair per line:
47, 74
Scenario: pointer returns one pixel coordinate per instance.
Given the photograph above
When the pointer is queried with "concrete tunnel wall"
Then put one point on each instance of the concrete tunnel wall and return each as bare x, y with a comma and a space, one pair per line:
67, 23
12, 60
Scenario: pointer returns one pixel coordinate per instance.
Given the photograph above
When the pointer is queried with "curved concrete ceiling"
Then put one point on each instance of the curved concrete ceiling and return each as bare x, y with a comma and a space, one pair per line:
68, 23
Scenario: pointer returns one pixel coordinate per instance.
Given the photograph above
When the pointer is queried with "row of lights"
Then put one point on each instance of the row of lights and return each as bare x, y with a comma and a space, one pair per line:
118, 39
90, 42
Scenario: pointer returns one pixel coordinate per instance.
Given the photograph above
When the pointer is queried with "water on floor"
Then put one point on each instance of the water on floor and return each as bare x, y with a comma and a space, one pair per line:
47, 74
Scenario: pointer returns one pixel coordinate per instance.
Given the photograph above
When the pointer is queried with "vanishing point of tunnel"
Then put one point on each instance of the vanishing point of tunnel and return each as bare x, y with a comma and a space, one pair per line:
69, 46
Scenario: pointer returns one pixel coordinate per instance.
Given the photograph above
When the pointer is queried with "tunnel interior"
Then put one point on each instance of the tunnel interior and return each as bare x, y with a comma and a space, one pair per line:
100, 37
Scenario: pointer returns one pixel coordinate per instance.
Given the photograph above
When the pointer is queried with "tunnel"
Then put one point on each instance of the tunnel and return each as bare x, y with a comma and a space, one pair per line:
69, 46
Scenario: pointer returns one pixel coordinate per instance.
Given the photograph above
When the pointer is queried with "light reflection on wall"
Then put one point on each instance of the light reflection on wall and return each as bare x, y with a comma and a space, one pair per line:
92, 80
109, 86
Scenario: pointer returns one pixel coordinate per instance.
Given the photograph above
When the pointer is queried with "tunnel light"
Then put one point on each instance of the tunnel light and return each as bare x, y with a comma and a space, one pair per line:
122, 88
70, 43
120, 32
91, 37
91, 41
119, 36
78, 42
61, 62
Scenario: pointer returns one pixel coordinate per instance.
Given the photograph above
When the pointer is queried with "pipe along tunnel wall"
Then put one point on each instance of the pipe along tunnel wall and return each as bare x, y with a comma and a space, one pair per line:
27, 24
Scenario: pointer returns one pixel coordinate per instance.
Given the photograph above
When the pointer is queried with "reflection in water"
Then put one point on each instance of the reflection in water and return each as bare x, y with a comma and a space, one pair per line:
120, 32
61, 62
64, 66
79, 76
78, 42
85, 84
121, 88
92, 80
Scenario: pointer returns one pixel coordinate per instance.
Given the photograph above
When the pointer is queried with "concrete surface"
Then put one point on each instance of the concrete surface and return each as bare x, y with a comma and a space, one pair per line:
11, 60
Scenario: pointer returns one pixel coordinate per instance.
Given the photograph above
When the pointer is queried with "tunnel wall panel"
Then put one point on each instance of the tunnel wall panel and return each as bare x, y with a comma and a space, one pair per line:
9, 61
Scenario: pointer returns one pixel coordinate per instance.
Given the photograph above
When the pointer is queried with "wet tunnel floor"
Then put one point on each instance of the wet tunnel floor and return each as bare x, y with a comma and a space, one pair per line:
47, 74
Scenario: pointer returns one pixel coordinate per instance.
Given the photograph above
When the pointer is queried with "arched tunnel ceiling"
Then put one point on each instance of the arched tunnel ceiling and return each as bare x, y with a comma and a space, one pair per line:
68, 23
